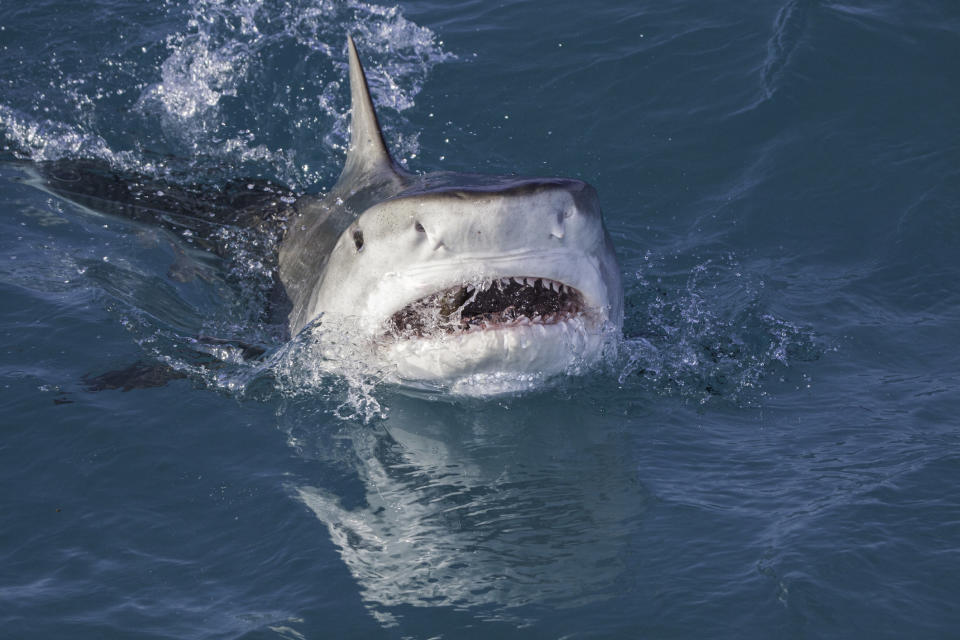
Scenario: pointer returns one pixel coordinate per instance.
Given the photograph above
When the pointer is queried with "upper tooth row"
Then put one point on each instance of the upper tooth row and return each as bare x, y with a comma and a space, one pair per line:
552, 284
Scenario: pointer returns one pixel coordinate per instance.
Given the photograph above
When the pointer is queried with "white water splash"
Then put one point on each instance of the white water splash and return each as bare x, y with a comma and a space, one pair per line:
327, 355
237, 88
227, 48
41, 140
709, 337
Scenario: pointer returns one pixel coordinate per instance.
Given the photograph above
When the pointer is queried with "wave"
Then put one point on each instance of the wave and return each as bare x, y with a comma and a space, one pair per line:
706, 335
789, 28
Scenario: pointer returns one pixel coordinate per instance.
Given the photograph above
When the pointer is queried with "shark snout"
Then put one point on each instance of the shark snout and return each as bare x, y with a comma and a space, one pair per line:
420, 244
433, 237
495, 224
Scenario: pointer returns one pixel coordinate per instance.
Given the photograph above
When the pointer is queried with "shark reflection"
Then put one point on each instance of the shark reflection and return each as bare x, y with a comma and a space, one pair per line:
485, 508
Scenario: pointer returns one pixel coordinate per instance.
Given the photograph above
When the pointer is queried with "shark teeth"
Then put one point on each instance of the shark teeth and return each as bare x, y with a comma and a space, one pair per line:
512, 301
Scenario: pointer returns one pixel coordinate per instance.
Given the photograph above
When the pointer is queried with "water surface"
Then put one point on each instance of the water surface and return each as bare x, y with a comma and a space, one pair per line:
771, 454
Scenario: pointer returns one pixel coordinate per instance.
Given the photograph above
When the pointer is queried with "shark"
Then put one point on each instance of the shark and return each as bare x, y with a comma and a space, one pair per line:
455, 278
478, 284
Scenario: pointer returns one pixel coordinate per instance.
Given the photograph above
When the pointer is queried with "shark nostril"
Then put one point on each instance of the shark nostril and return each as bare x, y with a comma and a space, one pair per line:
419, 227
557, 228
358, 239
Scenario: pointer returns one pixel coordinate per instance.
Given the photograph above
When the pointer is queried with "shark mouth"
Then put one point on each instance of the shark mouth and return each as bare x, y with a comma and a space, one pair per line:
493, 304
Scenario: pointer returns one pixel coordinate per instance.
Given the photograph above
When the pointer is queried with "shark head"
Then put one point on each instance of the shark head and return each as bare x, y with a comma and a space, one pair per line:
475, 282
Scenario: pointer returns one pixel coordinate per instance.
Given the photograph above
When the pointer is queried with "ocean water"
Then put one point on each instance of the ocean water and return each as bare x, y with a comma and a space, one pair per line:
773, 452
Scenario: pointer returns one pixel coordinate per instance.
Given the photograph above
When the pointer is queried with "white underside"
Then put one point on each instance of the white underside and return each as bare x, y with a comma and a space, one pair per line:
496, 360
479, 363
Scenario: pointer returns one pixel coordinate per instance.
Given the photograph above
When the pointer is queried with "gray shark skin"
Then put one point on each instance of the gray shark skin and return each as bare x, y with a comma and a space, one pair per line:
452, 275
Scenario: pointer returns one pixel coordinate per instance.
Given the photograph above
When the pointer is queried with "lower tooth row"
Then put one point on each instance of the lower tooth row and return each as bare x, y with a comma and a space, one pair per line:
550, 318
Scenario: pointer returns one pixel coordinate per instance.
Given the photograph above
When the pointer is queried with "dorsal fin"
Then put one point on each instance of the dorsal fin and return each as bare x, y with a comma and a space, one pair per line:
368, 160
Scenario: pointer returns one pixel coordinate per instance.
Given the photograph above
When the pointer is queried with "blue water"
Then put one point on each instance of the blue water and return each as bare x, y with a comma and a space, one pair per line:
773, 453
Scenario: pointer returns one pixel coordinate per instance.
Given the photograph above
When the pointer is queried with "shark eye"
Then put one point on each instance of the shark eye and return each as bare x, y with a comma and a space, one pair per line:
419, 227
358, 239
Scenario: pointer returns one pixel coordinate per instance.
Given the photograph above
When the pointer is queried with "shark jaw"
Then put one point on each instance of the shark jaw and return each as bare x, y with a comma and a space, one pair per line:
494, 336
466, 329
491, 359
492, 305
